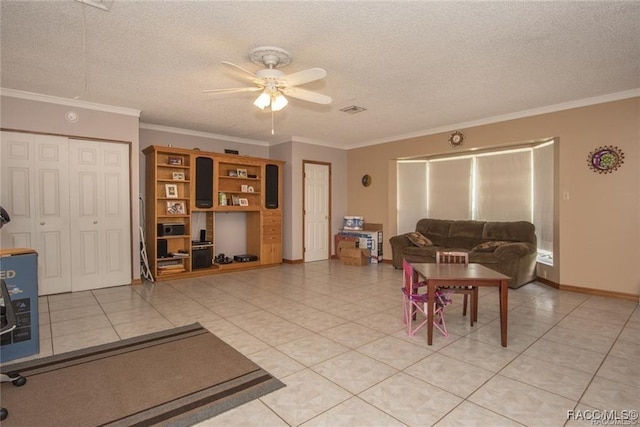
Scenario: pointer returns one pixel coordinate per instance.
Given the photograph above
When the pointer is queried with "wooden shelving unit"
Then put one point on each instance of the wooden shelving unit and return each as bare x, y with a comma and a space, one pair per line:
239, 185
168, 211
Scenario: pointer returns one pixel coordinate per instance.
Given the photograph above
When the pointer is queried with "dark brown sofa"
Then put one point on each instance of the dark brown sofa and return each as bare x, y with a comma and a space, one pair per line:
514, 253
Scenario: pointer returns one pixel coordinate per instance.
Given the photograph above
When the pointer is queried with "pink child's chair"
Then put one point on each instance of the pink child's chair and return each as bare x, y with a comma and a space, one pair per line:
414, 302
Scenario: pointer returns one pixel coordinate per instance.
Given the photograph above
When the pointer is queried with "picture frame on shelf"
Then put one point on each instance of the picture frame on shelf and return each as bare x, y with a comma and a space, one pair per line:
177, 176
174, 160
176, 208
244, 188
232, 173
171, 191
250, 189
243, 201
235, 200
242, 173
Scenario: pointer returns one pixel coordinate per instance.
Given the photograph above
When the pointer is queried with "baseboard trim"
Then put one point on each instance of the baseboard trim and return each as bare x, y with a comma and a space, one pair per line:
589, 291
292, 261
548, 282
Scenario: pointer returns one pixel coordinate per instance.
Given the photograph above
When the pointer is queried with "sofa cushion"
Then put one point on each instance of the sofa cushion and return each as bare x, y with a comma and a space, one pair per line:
489, 246
516, 231
437, 230
418, 239
465, 234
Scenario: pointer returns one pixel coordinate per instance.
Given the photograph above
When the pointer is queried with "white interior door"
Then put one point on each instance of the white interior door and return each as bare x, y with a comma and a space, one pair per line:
317, 239
100, 213
35, 193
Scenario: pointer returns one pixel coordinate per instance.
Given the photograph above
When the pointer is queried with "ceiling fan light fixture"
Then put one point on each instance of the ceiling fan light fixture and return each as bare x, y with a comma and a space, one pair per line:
263, 100
278, 102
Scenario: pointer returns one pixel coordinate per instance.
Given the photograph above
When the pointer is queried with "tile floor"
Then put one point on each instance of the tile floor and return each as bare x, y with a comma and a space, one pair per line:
333, 334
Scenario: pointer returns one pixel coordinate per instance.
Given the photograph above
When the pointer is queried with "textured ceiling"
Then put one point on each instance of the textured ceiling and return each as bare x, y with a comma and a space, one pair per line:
415, 66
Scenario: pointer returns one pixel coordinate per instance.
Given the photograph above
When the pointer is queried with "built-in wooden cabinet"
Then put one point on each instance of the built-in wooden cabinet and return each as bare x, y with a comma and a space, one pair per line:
238, 185
271, 250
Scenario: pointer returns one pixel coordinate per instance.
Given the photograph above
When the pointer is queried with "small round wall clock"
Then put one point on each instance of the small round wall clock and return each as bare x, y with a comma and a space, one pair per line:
366, 180
456, 138
605, 159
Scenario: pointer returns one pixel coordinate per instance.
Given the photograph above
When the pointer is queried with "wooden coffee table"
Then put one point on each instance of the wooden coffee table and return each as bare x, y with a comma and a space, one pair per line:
463, 275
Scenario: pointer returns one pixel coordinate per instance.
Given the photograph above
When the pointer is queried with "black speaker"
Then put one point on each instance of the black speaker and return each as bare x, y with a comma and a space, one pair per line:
171, 229
271, 186
201, 257
162, 248
204, 182
203, 235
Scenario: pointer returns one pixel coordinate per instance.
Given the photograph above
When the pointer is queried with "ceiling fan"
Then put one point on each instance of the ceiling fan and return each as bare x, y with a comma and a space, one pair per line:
273, 83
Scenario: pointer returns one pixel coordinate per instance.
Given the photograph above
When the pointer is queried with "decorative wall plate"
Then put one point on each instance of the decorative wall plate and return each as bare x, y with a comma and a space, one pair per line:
605, 159
456, 138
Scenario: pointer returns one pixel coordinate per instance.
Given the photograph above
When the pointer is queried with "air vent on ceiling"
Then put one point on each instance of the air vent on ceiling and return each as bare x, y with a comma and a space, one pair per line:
353, 109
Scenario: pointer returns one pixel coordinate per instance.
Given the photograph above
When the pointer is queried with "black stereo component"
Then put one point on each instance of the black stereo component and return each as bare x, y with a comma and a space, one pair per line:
271, 186
245, 258
201, 257
170, 229
204, 182
162, 248
222, 259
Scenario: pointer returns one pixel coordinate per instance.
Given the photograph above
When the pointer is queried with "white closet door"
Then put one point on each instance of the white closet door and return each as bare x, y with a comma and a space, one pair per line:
100, 214
35, 192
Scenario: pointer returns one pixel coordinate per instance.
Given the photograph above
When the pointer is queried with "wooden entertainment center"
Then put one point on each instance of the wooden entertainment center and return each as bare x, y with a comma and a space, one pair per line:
231, 183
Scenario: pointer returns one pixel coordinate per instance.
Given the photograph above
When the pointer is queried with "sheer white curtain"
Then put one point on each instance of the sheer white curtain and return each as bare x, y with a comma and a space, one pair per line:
412, 194
543, 195
504, 187
508, 185
450, 188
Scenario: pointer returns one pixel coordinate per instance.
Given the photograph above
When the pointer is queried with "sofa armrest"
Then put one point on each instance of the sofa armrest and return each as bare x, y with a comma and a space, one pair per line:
518, 261
518, 249
397, 243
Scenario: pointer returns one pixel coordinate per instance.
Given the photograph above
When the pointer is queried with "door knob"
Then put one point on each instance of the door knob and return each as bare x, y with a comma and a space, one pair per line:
95, 222
42, 223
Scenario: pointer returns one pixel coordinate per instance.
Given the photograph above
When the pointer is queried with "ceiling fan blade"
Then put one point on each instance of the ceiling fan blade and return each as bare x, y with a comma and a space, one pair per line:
306, 76
236, 89
231, 64
307, 95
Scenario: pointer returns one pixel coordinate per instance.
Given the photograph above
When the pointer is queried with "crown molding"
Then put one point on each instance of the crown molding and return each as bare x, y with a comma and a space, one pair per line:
188, 132
617, 96
12, 93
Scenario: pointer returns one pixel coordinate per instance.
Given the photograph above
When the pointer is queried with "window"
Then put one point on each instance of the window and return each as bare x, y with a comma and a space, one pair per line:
506, 185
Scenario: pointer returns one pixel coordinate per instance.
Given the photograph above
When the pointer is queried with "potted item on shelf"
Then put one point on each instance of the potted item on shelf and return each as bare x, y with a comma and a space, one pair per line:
222, 199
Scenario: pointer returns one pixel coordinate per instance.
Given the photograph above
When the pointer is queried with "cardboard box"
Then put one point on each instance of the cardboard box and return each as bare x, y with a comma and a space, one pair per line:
371, 226
371, 240
349, 254
341, 245
19, 270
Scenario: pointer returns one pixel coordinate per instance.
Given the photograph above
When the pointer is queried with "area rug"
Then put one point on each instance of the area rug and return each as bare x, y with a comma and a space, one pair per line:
177, 377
